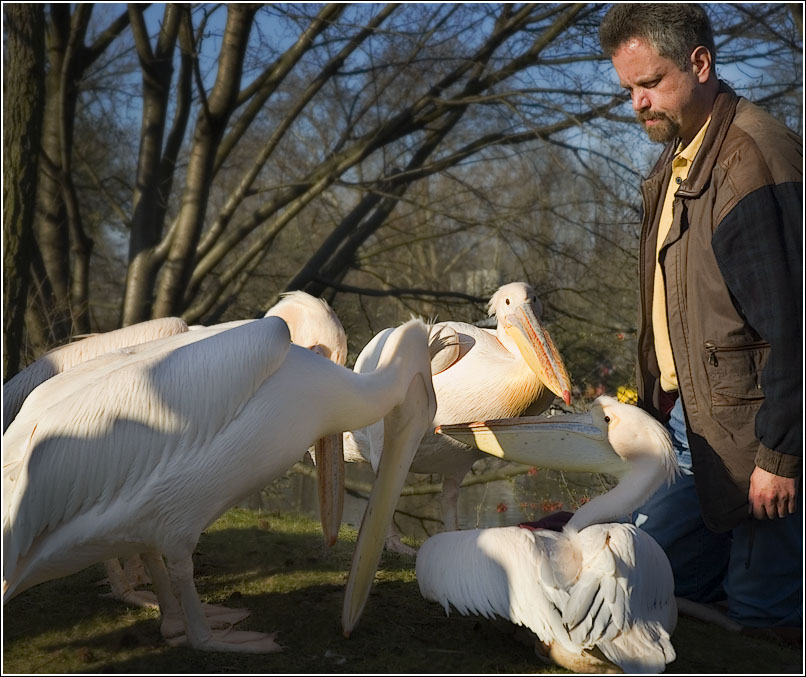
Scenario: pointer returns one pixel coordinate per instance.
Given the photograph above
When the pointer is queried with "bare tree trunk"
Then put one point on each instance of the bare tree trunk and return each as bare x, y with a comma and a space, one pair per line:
50, 224
23, 108
63, 278
80, 244
150, 187
210, 127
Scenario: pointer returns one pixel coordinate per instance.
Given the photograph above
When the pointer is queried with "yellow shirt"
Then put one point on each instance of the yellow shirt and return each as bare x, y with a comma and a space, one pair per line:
681, 164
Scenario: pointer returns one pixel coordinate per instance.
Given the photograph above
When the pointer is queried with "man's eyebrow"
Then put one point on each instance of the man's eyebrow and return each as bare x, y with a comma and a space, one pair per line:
643, 80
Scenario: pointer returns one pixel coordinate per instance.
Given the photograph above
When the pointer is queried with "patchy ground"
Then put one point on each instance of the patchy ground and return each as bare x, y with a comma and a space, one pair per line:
276, 566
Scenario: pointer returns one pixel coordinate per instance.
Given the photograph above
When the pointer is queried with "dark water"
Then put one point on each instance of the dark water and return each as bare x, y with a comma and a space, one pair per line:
502, 502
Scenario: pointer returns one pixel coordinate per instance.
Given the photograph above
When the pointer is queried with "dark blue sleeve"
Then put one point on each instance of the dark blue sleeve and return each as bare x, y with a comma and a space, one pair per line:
759, 250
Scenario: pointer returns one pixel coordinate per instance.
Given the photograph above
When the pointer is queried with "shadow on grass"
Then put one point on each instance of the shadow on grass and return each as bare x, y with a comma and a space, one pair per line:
264, 562
277, 567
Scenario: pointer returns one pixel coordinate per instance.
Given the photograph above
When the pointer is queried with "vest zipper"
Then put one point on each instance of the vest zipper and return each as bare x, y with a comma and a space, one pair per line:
712, 349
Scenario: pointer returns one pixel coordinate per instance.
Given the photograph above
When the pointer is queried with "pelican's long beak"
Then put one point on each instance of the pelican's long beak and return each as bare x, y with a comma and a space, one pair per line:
404, 427
329, 452
575, 442
539, 350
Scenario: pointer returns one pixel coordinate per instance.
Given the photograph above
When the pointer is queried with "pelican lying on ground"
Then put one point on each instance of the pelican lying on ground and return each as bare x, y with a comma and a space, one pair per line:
598, 595
478, 374
141, 456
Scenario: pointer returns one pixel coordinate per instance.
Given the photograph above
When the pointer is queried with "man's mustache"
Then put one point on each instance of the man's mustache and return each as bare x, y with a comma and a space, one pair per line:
650, 115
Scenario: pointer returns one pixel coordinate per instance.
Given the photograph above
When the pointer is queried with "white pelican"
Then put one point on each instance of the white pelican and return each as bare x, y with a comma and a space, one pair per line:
479, 374
598, 595
142, 456
312, 323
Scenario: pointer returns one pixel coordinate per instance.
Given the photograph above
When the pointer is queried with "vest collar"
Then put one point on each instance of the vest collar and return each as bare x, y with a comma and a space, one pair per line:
721, 118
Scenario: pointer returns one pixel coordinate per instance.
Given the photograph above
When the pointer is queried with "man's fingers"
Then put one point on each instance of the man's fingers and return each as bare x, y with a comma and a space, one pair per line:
771, 508
759, 509
789, 504
771, 496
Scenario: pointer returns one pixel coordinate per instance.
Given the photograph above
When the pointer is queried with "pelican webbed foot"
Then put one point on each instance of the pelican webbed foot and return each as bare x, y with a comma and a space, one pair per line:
232, 641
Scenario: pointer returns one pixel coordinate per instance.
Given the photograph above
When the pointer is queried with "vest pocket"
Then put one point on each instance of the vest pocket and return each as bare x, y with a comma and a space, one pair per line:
734, 372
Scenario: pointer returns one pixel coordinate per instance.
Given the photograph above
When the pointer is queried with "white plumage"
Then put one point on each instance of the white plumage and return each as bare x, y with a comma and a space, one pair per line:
597, 594
60, 359
312, 324
478, 374
142, 455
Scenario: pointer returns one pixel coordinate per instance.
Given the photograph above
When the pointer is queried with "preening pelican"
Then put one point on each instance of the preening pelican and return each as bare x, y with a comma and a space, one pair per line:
141, 456
479, 374
598, 595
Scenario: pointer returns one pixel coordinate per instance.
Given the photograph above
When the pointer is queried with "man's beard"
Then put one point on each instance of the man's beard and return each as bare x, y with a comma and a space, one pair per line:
663, 131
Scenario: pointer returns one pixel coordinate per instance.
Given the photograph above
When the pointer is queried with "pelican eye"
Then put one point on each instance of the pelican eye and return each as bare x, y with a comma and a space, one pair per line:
607, 419
507, 301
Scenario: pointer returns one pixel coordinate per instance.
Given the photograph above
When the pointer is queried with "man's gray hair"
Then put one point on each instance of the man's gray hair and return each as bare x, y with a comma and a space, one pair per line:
674, 30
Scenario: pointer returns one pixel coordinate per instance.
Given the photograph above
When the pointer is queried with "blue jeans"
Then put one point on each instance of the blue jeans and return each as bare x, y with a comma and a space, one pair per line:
762, 590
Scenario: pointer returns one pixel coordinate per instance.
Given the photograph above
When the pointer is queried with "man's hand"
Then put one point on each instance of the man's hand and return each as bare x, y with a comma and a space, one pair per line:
771, 496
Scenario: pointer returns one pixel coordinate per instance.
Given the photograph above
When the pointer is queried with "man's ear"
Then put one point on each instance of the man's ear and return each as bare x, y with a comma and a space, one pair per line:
701, 63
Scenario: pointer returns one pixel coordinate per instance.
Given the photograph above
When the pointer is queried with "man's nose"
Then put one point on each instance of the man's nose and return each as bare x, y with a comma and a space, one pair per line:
640, 101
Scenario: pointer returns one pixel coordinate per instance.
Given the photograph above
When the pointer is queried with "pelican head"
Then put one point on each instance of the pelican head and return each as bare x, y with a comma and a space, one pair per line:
613, 438
517, 310
404, 427
633, 434
313, 325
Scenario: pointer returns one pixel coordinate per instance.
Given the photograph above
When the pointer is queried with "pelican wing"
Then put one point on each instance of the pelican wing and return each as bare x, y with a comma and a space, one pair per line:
75, 379
644, 587
607, 586
493, 572
128, 420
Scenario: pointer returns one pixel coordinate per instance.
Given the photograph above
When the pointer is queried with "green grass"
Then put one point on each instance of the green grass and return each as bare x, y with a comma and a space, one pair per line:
276, 566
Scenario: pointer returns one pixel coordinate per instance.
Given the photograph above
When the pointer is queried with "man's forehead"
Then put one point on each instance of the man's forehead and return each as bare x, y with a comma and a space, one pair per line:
636, 48
637, 61
635, 43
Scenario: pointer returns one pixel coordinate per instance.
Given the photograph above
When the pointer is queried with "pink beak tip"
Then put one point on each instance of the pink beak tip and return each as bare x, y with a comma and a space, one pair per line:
566, 396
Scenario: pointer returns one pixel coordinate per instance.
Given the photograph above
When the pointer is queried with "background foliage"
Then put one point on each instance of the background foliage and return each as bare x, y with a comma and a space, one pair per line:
198, 160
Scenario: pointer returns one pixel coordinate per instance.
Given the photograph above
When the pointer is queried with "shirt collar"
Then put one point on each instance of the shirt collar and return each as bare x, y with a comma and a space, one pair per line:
690, 151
